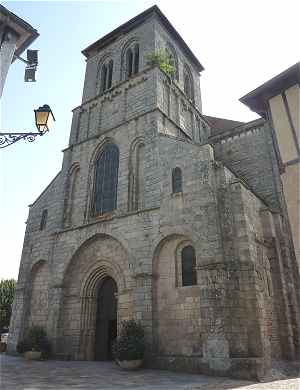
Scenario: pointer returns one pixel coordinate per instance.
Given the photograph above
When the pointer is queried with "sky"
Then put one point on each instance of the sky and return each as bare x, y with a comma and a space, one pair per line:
241, 44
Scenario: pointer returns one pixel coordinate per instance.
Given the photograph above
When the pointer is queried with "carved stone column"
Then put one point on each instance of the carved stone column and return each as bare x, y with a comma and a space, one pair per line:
87, 328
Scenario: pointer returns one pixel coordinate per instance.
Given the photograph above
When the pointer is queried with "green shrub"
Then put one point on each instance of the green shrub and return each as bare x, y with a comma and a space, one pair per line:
130, 345
161, 59
35, 340
36, 335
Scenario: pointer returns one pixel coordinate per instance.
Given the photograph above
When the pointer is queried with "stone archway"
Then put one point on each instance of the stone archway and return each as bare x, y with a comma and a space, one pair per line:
38, 295
99, 259
99, 312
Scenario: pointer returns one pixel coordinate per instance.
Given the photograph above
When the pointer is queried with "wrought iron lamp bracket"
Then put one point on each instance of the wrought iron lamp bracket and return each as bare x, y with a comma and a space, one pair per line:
7, 139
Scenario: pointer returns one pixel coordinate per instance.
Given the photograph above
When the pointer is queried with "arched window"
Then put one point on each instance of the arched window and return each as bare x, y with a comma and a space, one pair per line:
132, 59
136, 59
188, 264
173, 60
176, 180
106, 180
106, 76
188, 83
129, 61
110, 73
72, 190
103, 78
37, 309
43, 222
136, 182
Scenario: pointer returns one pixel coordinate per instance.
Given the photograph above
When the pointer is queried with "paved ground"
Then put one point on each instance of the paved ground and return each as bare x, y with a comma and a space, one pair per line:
18, 374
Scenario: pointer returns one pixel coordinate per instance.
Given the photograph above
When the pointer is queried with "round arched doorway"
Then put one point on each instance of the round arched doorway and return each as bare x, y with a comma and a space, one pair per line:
106, 319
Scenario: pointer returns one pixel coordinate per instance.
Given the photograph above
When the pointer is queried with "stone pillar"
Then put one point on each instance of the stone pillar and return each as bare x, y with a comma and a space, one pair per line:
211, 278
124, 310
142, 304
17, 322
279, 284
54, 317
88, 307
290, 277
233, 292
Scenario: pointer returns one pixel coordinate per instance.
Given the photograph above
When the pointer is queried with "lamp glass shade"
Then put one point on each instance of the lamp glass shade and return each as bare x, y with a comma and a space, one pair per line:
43, 118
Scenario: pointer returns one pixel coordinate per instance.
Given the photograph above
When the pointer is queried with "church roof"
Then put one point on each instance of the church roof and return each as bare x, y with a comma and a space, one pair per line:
136, 21
219, 125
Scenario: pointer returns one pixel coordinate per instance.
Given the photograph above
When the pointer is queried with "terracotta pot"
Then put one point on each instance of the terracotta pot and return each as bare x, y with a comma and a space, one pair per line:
32, 355
130, 364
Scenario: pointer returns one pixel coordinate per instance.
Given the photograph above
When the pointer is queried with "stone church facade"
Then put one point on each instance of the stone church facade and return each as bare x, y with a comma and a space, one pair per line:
161, 214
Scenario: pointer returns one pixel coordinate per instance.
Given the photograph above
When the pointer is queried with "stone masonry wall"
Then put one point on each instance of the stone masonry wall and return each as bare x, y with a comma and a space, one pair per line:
181, 117
248, 154
39, 296
143, 34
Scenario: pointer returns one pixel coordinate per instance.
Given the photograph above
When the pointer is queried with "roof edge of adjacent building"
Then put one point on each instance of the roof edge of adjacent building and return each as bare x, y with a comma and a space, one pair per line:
136, 21
27, 28
256, 100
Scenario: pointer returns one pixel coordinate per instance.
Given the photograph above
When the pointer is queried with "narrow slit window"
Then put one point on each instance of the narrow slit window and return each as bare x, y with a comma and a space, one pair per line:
44, 217
188, 263
129, 62
188, 84
176, 180
110, 73
103, 78
173, 60
136, 59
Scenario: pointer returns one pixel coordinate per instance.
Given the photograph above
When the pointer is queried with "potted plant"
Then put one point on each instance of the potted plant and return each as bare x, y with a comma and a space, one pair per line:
35, 345
129, 347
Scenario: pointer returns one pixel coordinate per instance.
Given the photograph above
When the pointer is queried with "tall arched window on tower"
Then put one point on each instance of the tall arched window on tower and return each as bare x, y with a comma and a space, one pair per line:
106, 180
132, 60
188, 264
188, 83
129, 62
103, 78
136, 59
136, 181
176, 180
106, 74
173, 60
110, 73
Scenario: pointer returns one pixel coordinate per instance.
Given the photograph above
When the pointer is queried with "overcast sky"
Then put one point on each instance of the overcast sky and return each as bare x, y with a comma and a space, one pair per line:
241, 44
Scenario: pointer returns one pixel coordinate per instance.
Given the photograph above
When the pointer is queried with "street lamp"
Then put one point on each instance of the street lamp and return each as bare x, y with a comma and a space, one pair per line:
44, 118
43, 121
